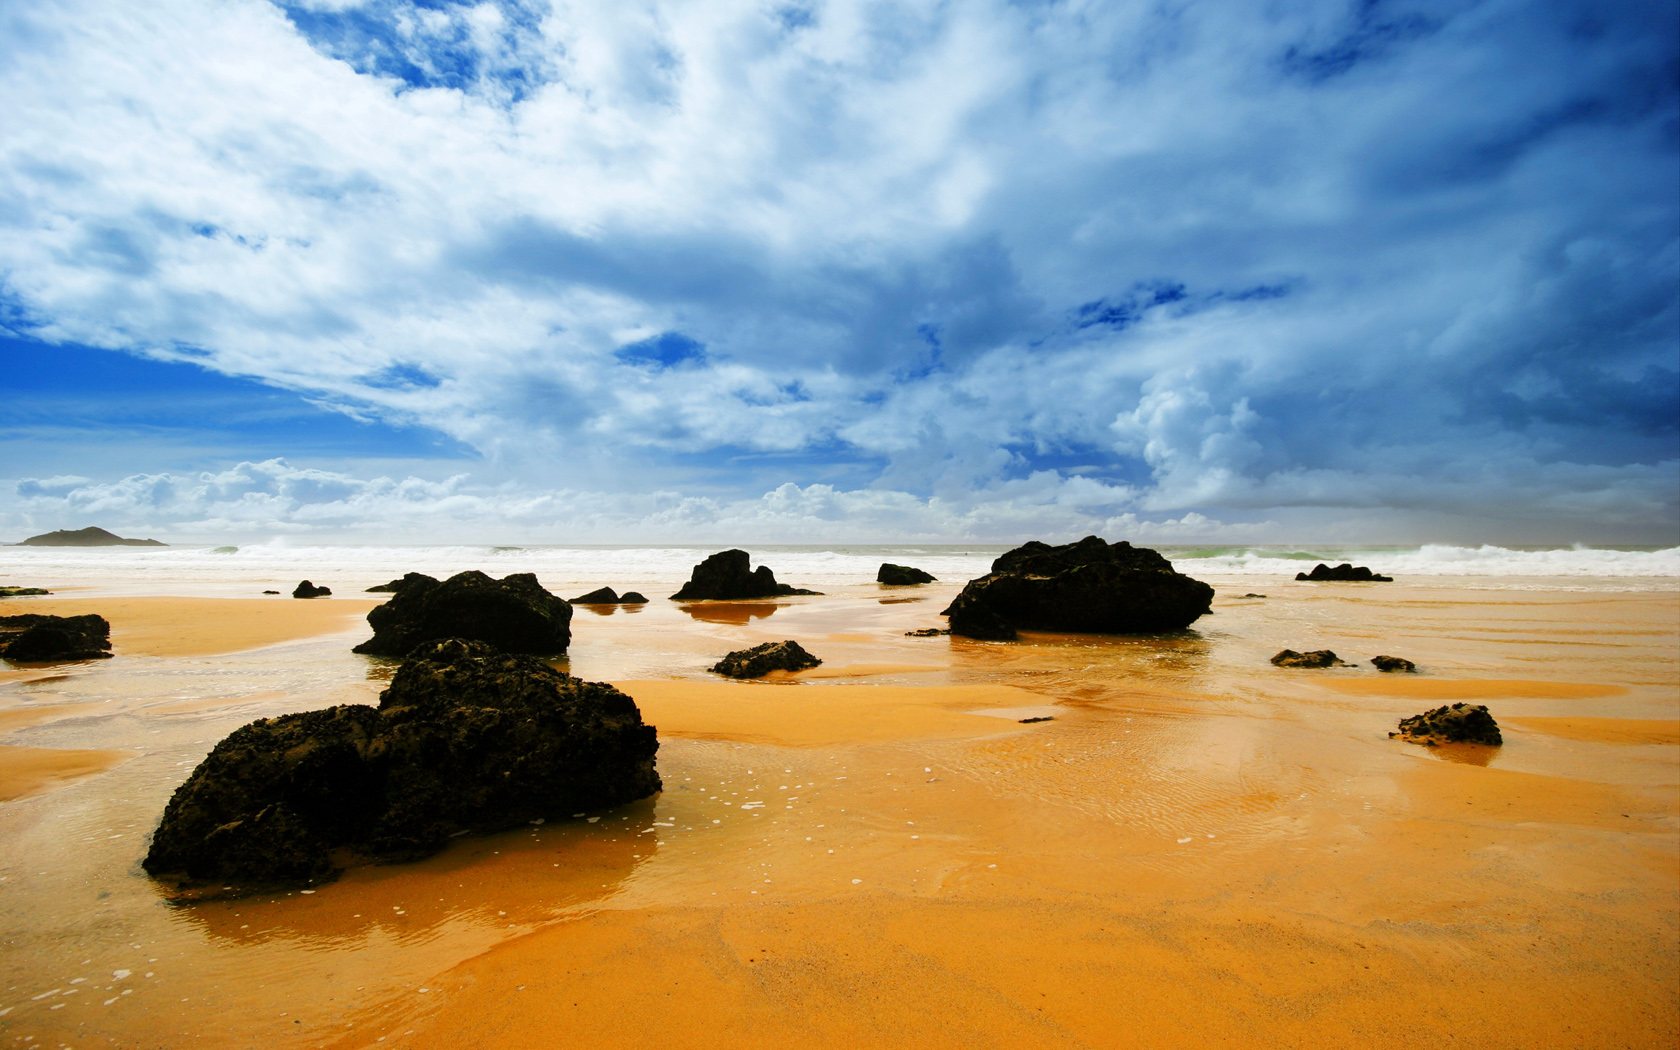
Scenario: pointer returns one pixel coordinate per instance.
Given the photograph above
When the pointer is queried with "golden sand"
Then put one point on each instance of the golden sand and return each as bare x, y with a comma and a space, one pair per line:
28, 771
202, 626
1198, 850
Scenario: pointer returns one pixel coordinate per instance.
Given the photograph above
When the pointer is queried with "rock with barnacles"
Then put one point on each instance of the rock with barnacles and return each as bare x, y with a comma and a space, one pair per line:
1316, 658
1456, 724
760, 660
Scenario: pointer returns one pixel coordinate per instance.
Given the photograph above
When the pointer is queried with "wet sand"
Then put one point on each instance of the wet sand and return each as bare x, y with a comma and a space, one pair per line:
1200, 849
202, 626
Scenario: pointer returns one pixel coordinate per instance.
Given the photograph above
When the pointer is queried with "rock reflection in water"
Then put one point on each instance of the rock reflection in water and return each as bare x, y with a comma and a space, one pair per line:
737, 614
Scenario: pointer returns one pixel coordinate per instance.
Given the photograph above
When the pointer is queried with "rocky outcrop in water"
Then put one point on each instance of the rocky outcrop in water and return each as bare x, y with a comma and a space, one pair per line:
760, 660
91, 536
1457, 724
608, 596
902, 575
37, 638
409, 579
1316, 658
466, 739
729, 575
20, 592
514, 614
305, 589
1393, 663
1089, 587
1344, 572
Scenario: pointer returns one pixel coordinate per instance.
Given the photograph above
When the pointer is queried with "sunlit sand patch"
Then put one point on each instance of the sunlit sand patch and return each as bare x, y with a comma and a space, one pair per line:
1604, 730
867, 670
1470, 689
26, 771
205, 626
818, 714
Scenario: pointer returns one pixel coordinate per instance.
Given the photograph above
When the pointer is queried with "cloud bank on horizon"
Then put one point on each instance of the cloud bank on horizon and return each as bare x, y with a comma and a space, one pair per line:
854, 270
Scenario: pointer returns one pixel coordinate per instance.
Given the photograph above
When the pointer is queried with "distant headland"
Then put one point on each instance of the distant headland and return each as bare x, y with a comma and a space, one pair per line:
92, 536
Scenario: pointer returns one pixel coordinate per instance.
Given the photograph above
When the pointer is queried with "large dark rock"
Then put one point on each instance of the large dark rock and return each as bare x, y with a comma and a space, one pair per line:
465, 739
1344, 572
728, 575
760, 660
514, 613
305, 589
599, 596
33, 637
1086, 587
92, 536
902, 575
1458, 724
409, 579
1314, 659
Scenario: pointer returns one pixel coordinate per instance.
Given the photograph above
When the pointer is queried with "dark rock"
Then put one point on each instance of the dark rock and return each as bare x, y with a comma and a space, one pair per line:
410, 579
1392, 663
1086, 587
33, 637
465, 739
632, 598
1316, 658
1039, 718
1344, 572
19, 592
901, 575
514, 614
728, 575
1458, 724
1251, 594
88, 537
603, 596
926, 632
309, 590
760, 660
271, 592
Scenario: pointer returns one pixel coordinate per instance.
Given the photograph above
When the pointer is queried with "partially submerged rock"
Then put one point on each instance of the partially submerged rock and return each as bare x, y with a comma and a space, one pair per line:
608, 596
1393, 663
514, 614
305, 589
760, 660
1316, 658
902, 575
1087, 587
19, 592
1458, 724
409, 579
38, 638
729, 575
926, 632
466, 738
1344, 572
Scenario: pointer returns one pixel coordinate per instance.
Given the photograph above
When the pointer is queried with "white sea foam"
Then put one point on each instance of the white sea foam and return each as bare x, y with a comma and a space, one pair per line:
658, 571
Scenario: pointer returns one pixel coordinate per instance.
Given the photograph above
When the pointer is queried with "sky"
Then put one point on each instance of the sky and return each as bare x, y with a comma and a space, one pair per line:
1249, 271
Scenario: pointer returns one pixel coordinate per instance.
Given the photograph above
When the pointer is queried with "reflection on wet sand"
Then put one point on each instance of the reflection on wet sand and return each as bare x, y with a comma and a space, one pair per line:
734, 613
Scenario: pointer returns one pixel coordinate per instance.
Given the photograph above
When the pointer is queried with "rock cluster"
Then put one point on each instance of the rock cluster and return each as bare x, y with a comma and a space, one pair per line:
92, 536
306, 589
514, 614
760, 660
1087, 587
1393, 663
33, 637
1458, 724
608, 596
1345, 572
465, 739
728, 575
1316, 658
902, 575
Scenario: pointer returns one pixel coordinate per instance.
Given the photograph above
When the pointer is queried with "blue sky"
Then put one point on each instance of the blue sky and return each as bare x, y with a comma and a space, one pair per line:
520, 270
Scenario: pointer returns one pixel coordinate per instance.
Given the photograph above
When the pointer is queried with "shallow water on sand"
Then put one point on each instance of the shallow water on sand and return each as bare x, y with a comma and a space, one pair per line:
1199, 848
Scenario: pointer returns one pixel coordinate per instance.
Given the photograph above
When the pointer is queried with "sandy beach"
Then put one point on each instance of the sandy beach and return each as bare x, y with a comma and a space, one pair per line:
1198, 849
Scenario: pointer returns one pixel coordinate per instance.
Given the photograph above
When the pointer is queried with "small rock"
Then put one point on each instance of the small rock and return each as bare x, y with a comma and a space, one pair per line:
1316, 658
901, 575
309, 590
19, 592
271, 592
760, 660
1037, 718
926, 632
1251, 594
1459, 724
1344, 572
1393, 663
632, 598
36, 638
601, 596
